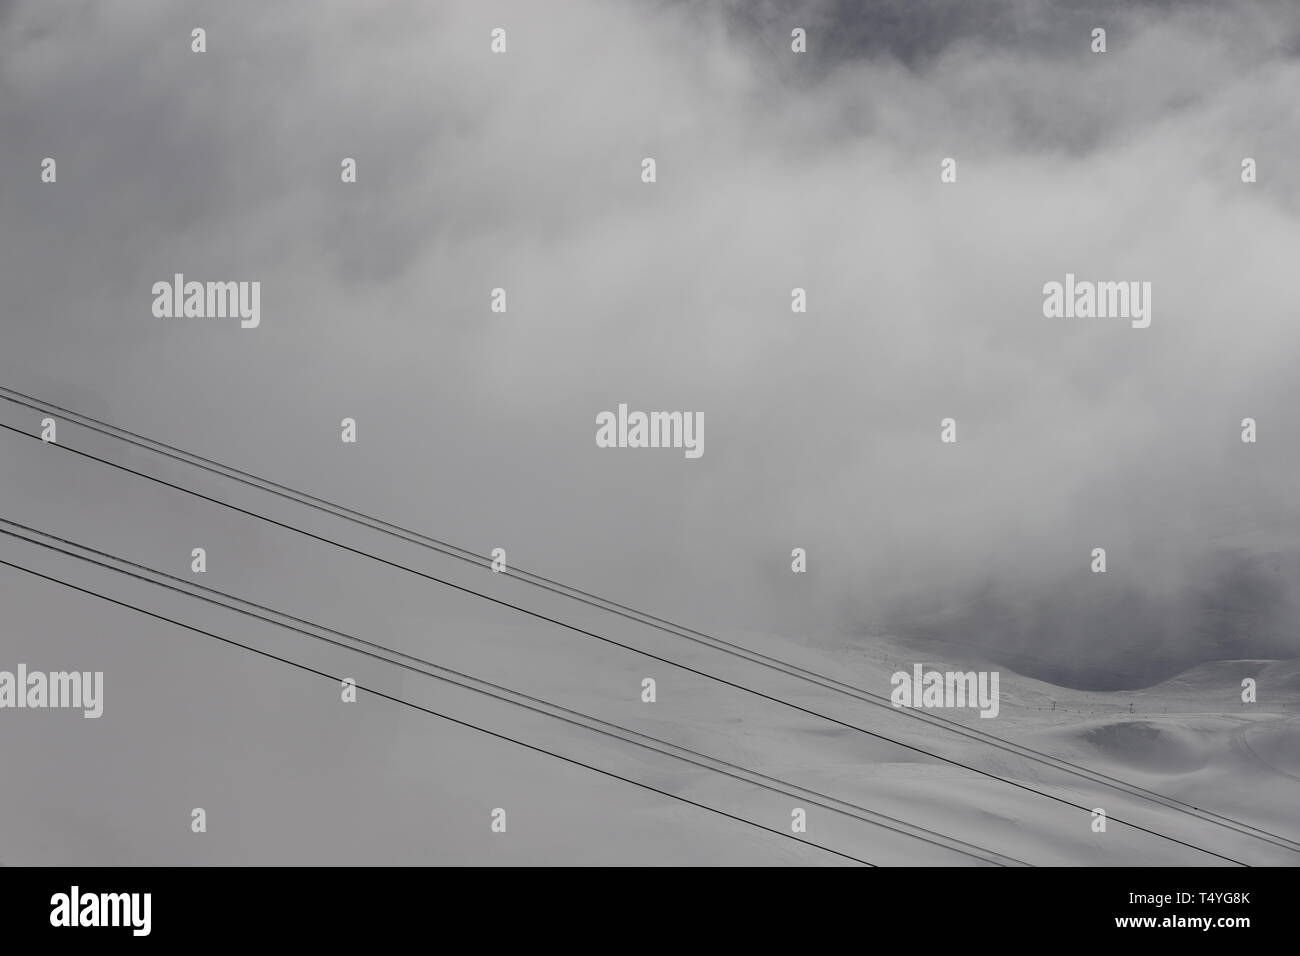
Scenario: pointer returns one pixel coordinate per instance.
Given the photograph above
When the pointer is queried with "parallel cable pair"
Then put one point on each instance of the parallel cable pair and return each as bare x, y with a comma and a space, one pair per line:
629, 613
487, 688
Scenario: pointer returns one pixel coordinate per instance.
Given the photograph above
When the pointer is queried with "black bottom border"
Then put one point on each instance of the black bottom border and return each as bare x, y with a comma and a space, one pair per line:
534, 905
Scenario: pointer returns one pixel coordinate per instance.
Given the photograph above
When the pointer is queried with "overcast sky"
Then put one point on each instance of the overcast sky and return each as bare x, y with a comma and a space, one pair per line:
775, 170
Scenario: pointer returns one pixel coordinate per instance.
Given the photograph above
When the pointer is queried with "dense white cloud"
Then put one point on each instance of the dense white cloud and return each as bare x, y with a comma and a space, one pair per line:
522, 171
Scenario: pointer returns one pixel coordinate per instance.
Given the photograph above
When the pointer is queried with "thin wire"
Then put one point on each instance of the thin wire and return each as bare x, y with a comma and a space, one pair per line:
686, 633
592, 634
496, 690
435, 713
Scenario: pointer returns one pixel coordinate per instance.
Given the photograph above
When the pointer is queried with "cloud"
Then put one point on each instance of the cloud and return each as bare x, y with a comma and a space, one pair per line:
522, 171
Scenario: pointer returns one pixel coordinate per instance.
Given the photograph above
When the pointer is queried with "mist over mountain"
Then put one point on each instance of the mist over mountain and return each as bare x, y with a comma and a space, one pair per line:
777, 170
